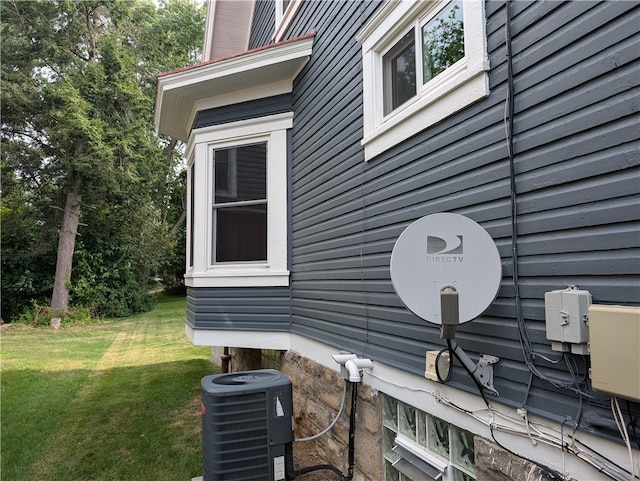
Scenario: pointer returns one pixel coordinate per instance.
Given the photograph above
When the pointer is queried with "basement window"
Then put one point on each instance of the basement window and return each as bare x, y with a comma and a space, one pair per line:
419, 446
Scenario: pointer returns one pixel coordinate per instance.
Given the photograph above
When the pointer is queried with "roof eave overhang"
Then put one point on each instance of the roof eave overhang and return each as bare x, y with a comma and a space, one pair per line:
246, 76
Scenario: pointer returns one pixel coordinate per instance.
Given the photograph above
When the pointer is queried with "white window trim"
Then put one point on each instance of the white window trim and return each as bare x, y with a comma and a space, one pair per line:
284, 19
460, 85
273, 130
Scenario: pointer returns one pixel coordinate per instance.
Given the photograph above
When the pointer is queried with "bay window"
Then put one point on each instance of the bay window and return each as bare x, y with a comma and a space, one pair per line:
237, 214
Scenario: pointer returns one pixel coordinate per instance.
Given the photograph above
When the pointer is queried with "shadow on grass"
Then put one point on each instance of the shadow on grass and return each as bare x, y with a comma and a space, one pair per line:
125, 423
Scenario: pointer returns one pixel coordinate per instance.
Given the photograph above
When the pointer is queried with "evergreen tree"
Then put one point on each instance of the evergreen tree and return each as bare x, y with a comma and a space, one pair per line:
81, 161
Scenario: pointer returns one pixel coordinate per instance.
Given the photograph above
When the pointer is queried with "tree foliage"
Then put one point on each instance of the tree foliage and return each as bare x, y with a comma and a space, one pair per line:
77, 108
443, 41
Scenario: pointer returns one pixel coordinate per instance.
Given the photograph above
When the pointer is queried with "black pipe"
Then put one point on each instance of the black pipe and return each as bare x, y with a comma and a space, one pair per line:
352, 431
352, 445
225, 358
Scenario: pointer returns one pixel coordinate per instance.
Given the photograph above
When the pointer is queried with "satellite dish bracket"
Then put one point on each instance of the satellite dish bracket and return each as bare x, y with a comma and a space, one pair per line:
483, 371
449, 312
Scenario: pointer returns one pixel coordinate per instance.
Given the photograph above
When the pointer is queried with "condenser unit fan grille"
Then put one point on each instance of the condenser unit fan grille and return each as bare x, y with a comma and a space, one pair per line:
238, 435
247, 426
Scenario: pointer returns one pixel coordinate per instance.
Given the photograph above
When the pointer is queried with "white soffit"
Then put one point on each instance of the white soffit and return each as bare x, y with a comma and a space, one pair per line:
179, 91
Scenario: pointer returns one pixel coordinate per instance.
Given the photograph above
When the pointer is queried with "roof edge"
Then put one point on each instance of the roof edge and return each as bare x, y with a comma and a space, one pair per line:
239, 54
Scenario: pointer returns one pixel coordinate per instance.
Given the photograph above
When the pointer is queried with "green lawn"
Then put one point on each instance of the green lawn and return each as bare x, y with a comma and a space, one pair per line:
114, 401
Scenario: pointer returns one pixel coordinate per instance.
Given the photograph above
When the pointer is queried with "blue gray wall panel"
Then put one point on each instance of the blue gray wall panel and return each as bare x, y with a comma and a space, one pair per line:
263, 28
577, 162
250, 309
576, 158
245, 110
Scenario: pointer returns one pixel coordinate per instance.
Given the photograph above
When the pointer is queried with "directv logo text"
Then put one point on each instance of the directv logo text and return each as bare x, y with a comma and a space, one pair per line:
440, 249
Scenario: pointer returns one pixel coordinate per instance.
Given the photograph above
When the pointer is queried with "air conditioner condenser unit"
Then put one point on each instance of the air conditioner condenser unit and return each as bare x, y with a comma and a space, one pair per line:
247, 426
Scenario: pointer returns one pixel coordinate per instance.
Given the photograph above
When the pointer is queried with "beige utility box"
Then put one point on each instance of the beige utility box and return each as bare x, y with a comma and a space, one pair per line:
614, 333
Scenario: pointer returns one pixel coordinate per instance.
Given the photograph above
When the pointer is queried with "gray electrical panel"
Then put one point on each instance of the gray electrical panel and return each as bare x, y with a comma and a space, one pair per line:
566, 313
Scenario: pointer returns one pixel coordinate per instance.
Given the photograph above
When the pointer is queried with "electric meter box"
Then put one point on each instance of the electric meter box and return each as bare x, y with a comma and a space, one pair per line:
615, 350
566, 314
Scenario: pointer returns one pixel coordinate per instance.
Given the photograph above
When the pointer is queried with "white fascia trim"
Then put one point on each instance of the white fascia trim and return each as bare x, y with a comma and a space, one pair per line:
254, 72
287, 19
239, 64
242, 339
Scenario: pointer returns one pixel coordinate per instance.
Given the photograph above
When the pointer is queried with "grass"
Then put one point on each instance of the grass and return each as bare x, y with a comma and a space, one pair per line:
113, 401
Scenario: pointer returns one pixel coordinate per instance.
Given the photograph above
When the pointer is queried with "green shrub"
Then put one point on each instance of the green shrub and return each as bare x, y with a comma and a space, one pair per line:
39, 315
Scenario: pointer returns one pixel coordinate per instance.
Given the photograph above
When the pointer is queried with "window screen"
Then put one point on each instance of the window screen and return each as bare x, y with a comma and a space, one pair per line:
240, 204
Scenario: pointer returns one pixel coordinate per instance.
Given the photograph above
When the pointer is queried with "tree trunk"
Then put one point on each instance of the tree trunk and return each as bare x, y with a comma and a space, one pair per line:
66, 246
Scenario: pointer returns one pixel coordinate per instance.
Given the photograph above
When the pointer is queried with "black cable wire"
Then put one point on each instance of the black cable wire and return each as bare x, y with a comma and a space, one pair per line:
318, 467
352, 439
598, 454
550, 472
525, 341
632, 424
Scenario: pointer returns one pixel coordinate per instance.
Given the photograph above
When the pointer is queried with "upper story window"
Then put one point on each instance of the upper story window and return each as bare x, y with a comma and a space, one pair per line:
285, 12
422, 61
421, 54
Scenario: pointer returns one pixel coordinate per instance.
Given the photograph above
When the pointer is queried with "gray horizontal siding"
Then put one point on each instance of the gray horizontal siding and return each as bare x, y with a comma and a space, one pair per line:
277, 104
577, 181
577, 189
263, 27
251, 309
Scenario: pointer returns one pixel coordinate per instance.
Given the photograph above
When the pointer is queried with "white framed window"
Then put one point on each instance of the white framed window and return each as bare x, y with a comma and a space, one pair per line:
285, 12
237, 214
239, 204
417, 445
422, 61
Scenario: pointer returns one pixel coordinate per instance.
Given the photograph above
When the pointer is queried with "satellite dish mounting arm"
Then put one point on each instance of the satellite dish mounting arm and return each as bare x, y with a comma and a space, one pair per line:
449, 308
450, 312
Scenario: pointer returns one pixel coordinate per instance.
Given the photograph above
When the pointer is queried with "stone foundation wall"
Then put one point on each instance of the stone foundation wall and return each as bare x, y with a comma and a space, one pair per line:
240, 360
244, 359
494, 463
317, 392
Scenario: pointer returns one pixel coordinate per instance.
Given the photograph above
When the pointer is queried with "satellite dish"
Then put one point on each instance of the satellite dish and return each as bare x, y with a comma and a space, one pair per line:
441, 254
